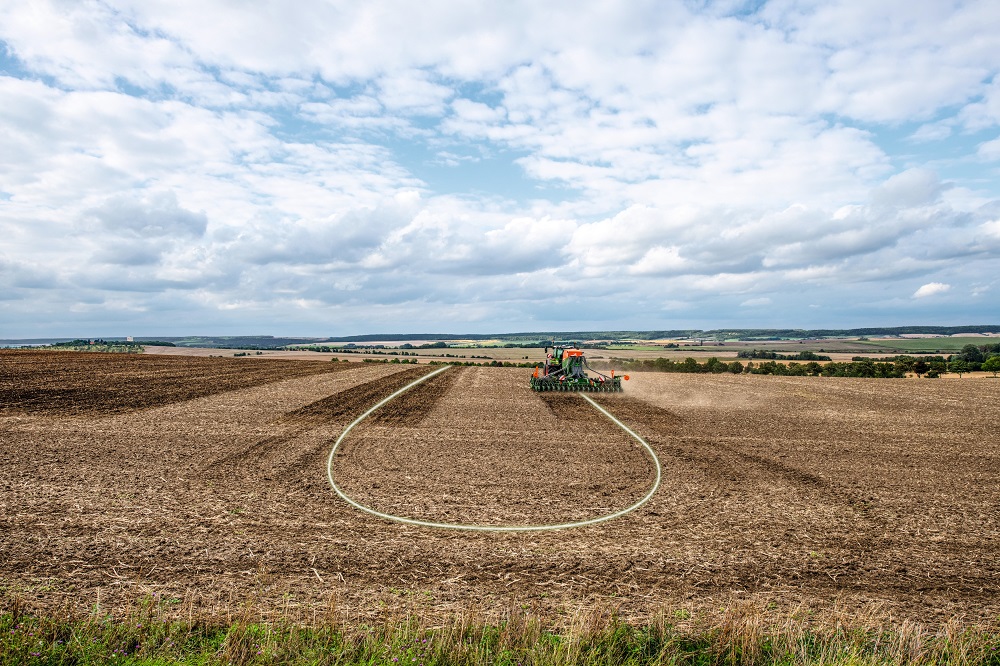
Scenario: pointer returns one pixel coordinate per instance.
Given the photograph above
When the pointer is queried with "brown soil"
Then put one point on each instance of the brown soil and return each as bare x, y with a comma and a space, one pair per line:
504, 461
846, 496
88, 383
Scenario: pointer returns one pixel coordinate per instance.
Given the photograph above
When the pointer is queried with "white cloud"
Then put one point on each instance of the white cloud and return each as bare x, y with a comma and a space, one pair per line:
931, 132
660, 260
931, 289
914, 187
359, 160
88, 45
157, 215
991, 228
990, 150
870, 45
413, 93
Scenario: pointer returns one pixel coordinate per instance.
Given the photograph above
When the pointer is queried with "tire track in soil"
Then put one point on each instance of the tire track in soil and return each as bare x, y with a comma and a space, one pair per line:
413, 407
566, 406
310, 461
723, 462
574, 414
340, 407
347, 405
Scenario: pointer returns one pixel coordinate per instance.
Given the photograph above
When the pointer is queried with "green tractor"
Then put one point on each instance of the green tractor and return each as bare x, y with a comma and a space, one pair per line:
565, 370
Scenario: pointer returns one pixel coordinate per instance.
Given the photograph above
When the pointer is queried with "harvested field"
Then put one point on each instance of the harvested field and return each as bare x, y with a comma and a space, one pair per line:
847, 497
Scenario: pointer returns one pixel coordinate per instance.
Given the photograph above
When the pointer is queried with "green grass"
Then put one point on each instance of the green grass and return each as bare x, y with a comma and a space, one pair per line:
144, 637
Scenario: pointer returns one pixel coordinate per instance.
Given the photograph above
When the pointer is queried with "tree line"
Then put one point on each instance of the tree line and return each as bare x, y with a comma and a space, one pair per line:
976, 357
972, 358
801, 356
769, 367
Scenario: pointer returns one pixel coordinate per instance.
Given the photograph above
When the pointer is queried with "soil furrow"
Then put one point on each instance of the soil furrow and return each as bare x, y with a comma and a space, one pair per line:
349, 404
412, 408
92, 384
280, 450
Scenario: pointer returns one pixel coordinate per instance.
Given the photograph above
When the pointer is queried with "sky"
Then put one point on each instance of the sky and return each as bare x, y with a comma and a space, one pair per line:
324, 168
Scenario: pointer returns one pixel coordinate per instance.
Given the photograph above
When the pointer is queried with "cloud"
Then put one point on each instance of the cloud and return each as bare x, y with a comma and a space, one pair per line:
991, 228
661, 260
129, 254
328, 164
931, 289
990, 150
913, 187
155, 215
869, 46
413, 93
931, 132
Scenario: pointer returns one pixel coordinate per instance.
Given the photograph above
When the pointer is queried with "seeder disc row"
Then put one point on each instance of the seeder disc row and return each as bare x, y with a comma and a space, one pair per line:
595, 388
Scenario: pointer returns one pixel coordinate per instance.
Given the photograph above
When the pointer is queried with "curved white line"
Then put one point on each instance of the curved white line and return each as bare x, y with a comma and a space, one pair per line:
487, 528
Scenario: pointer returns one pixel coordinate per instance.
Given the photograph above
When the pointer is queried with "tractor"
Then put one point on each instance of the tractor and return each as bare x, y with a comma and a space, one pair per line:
565, 370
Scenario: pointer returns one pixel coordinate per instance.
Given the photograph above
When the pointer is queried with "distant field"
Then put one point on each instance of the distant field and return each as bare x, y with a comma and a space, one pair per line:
657, 348
932, 345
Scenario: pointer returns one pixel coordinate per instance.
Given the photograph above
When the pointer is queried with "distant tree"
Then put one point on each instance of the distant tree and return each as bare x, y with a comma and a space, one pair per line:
971, 354
920, 367
797, 369
772, 368
736, 367
905, 363
992, 364
959, 367
864, 368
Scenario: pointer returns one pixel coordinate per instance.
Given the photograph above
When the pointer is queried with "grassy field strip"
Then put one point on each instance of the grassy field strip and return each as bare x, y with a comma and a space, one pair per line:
146, 638
486, 528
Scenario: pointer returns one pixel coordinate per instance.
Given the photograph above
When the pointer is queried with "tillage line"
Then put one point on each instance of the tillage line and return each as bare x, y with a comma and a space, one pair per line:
486, 528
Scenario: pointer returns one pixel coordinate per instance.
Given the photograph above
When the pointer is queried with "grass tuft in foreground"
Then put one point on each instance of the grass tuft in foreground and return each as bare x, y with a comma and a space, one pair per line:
144, 637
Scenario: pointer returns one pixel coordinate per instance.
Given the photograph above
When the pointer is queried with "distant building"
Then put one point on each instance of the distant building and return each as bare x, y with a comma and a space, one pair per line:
129, 338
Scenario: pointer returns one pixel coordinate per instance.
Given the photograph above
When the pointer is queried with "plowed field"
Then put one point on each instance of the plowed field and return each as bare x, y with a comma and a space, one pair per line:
85, 383
204, 480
